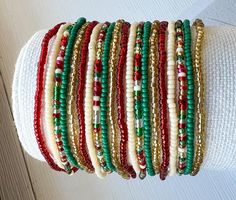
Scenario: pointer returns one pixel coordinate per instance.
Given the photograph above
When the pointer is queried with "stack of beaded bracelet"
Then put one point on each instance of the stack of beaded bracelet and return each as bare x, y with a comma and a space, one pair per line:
113, 104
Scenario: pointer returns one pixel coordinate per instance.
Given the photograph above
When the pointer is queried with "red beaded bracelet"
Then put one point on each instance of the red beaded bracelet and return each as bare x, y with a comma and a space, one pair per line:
38, 98
163, 101
120, 100
80, 96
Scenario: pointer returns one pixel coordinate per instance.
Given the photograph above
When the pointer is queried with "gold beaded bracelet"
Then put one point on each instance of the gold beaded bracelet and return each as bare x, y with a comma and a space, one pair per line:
200, 98
153, 89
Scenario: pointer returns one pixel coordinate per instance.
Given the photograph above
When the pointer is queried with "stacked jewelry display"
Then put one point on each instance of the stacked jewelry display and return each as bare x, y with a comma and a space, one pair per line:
120, 97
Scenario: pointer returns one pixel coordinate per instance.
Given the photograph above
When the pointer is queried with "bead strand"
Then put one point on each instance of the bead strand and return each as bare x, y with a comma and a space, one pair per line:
111, 100
137, 101
129, 98
104, 98
171, 98
73, 128
120, 100
163, 100
200, 98
56, 100
145, 99
88, 101
153, 90
182, 98
97, 89
80, 96
190, 97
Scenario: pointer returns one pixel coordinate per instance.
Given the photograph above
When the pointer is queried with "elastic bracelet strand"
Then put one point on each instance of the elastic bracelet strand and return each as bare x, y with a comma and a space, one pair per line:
129, 98
153, 90
49, 85
200, 98
56, 100
182, 97
73, 128
97, 89
64, 91
137, 101
111, 100
163, 100
120, 97
88, 101
171, 98
190, 97
104, 98
38, 99
80, 96
145, 99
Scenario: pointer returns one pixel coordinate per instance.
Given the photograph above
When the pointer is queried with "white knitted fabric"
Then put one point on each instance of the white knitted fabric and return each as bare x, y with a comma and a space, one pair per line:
219, 67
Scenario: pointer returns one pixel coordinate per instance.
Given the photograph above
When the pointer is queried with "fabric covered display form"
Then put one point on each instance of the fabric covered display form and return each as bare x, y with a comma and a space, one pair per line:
135, 99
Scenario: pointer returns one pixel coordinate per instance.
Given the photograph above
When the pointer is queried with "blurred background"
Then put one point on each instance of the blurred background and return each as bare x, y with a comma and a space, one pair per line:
22, 177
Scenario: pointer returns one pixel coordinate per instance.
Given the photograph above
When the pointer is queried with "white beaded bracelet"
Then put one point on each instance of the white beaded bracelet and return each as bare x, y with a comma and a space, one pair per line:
48, 96
88, 101
171, 101
130, 99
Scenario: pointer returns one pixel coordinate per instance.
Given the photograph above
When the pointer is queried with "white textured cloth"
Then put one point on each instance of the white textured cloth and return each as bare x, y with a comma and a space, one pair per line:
220, 70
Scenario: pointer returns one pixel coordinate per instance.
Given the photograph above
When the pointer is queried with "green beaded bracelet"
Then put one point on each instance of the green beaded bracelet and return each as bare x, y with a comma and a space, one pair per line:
104, 95
190, 97
145, 99
63, 91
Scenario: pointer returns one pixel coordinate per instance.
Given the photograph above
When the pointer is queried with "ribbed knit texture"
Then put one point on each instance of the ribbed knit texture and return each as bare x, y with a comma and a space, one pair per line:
219, 61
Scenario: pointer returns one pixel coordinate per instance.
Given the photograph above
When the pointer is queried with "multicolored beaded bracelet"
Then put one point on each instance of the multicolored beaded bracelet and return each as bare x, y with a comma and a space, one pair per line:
97, 89
200, 98
48, 94
190, 97
56, 100
182, 98
80, 97
153, 90
38, 98
163, 100
129, 98
73, 128
137, 101
171, 98
145, 99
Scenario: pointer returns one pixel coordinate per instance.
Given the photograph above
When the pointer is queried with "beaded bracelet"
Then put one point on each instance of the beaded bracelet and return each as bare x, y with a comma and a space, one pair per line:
56, 100
129, 98
182, 99
111, 100
145, 99
88, 101
49, 85
200, 98
80, 97
163, 101
190, 97
96, 98
171, 97
153, 90
120, 100
38, 99
137, 101
73, 128
104, 98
